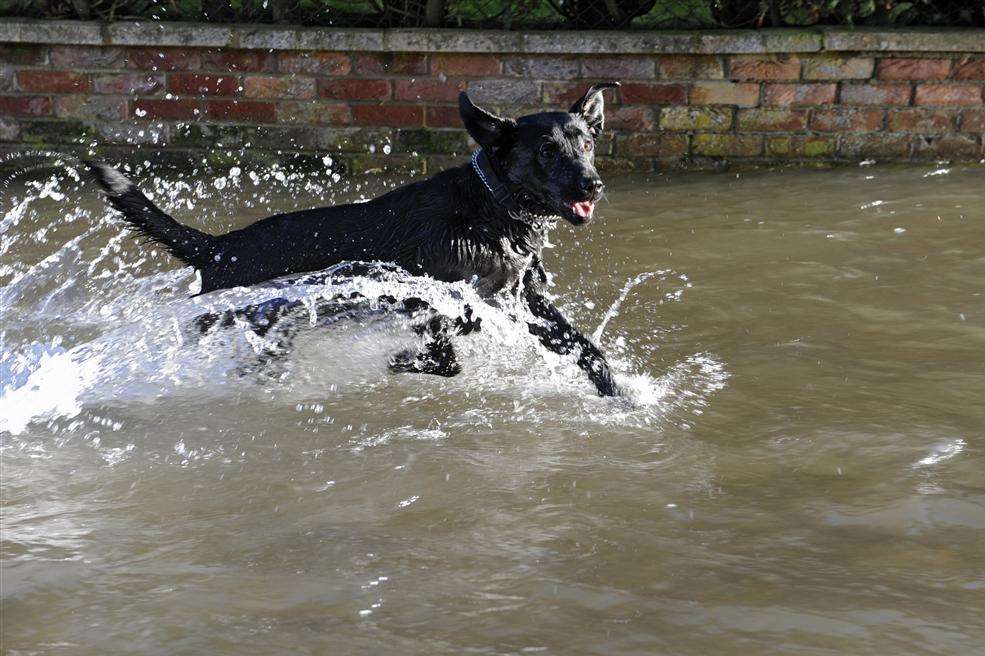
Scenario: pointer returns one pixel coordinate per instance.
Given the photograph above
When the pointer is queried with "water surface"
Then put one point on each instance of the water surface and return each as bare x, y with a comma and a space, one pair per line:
800, 468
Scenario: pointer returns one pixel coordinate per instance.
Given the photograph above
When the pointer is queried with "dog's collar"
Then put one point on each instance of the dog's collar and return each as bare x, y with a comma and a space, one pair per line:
501, 193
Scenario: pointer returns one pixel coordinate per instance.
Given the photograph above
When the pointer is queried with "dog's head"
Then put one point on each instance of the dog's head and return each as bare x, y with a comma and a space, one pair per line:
549, 156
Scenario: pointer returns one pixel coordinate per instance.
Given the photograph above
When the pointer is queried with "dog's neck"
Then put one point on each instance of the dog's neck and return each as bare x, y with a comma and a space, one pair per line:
516, 203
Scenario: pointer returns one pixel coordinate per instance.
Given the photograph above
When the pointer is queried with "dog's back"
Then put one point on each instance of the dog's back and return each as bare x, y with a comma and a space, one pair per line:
413, 226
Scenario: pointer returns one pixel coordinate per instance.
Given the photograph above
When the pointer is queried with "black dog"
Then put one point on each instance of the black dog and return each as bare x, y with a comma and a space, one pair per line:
485, 222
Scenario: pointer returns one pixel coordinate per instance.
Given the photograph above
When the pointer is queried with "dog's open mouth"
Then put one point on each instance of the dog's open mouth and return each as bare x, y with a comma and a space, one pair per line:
583, 209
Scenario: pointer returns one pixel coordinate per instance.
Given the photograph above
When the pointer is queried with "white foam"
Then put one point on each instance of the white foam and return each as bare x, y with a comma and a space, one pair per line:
941, 452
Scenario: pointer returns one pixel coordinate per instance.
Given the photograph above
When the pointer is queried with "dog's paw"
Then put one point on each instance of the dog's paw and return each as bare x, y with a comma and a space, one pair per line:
413, 362
403, 362
468, 322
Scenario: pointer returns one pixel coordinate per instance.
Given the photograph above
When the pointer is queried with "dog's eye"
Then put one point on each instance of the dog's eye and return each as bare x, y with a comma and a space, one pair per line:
588, 145
548, 150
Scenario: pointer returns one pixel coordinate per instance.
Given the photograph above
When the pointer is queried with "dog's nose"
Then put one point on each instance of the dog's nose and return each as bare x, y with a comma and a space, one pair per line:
592, 187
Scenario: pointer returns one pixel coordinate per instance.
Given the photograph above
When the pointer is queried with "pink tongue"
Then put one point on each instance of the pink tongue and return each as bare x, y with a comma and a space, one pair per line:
584, 208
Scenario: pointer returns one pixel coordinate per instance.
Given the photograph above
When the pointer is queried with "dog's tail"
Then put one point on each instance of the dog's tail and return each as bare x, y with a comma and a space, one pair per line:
189, 245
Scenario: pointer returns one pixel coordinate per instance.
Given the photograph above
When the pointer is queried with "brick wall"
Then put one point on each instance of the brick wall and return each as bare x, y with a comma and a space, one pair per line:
803, 97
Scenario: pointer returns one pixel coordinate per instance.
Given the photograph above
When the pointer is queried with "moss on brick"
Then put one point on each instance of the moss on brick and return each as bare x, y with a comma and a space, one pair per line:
727, 145
375, 164
818, 147
613, 165
800, 146
695, 118
211, 136
23, 54
46, 133
354, 140
652, 144
431, 142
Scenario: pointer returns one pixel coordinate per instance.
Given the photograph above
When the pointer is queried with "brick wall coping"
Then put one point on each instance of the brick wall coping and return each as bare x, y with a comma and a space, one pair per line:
278, 37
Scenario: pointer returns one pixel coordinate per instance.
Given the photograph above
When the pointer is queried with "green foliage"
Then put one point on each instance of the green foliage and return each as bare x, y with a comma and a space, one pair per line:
518, 14
677, 14
495, 13
883, 12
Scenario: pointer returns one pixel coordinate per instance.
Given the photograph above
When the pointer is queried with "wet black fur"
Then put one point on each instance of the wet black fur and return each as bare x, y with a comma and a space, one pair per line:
448, 227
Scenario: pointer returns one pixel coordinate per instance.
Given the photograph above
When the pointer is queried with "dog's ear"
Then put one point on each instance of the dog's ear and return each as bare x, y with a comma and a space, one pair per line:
591, 106
489, 131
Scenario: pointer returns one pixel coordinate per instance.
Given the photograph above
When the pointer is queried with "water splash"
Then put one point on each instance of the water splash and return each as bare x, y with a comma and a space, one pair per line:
91, 322
613, 310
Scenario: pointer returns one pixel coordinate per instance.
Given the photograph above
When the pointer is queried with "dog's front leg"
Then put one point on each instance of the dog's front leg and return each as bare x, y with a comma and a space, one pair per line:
558, 335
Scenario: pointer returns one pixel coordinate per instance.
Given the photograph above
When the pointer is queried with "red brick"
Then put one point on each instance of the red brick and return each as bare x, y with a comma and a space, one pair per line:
151, 109
426, 89
563, 93
313, 113
924, 121
642, 93
618, 67
86, 107
546, 67
23, 54
139, 84
76, 57
970, 69
973, 120
882, 145
630, 118
164, 59
837, 67
443, 117
772, 120
253, 61
783, 67
354, 89
390, 63
690, 67
913, 69
951, 146
843, 119
505, 92
318, 63
725, 93
25, 106
247, 111
53, 81
796, 95
398, 116
474, 65
875, 94
195, 84
949, 94
280, 86
652, 144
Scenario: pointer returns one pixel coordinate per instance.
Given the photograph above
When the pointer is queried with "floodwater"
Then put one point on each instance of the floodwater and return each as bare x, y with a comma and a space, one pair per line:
799, 467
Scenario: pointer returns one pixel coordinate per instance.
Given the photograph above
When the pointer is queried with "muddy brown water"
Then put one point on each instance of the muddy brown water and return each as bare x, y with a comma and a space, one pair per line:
800, 470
